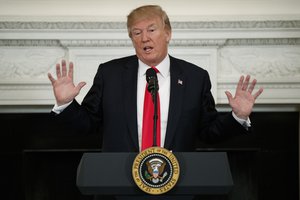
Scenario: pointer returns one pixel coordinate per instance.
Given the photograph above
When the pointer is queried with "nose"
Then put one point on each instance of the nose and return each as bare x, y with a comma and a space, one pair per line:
145, 36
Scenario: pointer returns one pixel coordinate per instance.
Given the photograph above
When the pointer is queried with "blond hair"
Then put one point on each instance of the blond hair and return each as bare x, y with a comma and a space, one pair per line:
147, 12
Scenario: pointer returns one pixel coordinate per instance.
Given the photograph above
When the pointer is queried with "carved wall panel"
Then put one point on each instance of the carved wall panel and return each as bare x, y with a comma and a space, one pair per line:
267, 50
277, 67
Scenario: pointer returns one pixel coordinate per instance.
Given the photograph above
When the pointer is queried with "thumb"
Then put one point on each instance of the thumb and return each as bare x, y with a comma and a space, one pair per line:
52, 80
80, 86
229, 96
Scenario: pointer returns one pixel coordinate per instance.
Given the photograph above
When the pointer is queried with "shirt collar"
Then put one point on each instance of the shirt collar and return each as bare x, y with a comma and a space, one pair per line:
163, 67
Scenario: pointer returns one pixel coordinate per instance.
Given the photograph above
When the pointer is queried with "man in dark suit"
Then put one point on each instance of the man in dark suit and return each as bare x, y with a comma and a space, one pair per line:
114, 104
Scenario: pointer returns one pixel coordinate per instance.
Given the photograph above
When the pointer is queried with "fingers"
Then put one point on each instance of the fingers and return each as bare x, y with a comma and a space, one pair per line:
71, 68
63, 68
252, 86
240, 83
51, 78
246, 83
62, 71
58, 73
258, 93
245, 86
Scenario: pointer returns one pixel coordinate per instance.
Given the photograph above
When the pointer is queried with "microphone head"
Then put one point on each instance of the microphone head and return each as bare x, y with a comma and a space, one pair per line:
151, 79
150, 74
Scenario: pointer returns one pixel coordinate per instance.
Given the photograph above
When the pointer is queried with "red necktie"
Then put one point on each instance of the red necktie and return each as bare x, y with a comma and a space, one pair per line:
147, 130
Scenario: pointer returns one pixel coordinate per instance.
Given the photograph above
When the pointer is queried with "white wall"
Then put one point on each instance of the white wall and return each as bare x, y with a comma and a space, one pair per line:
226, 37
191, 10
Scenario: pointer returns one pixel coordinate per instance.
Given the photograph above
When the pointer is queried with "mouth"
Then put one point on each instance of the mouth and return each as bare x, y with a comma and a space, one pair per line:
147, 49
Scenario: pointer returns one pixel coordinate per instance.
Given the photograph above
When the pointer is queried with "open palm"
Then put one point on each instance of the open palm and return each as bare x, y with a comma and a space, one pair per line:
63, 87
243, 101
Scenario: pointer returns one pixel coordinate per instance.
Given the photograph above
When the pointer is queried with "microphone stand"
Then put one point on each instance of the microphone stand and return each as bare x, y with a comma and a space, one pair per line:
155, 116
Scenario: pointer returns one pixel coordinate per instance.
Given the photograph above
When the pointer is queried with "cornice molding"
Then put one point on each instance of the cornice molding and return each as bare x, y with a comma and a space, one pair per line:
237, 24
97, 43
30, 43
284, 24
128, 43
265, 41
62, 25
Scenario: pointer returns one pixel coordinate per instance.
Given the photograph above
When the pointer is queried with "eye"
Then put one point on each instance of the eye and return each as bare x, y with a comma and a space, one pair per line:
136, 32
151, 30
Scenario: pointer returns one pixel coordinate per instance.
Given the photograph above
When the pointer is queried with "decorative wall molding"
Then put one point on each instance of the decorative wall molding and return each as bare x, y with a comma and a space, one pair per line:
62, 25
267, 50
128, 43
30, 43
97, 43
30, 64
264, 62
294, 24
264, 41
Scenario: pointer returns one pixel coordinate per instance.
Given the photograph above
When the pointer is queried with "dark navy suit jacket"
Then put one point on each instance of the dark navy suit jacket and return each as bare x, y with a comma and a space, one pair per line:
110, 108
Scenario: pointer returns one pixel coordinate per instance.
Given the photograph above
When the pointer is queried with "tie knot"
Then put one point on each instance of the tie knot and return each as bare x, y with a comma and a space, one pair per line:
156, 70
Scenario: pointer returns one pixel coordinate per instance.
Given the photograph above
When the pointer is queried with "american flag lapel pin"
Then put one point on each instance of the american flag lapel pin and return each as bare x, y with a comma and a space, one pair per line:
180, 82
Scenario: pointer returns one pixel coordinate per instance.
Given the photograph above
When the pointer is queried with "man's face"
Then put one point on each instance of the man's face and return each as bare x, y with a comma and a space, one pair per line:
150, 40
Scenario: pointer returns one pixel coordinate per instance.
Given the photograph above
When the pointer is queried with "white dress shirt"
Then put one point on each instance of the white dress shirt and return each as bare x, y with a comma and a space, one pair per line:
163, 77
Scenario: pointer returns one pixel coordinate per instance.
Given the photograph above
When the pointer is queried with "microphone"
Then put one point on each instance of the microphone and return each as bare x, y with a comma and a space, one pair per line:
152, 81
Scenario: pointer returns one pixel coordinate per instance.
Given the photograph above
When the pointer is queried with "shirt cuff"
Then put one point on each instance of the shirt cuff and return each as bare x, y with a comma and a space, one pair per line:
58, 109
245, 123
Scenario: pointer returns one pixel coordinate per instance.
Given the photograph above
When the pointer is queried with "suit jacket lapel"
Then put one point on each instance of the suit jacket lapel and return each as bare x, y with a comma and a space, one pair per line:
176, 97
130, 98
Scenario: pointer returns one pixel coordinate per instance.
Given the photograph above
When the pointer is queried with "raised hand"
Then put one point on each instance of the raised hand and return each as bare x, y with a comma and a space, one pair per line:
243, 101
63, 87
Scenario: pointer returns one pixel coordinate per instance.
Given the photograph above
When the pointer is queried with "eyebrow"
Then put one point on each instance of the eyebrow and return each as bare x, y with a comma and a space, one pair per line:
151, 25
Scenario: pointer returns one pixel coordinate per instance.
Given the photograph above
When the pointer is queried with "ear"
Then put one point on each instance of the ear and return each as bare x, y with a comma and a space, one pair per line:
168, 35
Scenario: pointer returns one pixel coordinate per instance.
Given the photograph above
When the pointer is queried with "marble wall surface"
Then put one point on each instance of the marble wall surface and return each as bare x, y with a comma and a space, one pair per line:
267, 50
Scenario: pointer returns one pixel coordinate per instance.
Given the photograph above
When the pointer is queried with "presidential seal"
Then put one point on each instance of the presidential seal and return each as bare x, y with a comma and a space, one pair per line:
155, 170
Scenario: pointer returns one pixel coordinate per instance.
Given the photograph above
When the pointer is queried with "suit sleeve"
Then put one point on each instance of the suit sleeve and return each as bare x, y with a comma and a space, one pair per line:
215, 126
87, 117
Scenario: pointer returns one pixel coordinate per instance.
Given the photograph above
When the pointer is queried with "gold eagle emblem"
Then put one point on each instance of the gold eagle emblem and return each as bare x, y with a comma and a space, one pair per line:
155, 169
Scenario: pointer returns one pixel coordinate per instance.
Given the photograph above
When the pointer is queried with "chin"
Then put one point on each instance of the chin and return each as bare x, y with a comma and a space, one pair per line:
148, 60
